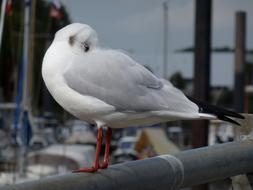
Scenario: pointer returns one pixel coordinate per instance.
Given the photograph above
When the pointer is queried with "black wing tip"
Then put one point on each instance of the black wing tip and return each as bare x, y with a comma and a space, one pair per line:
240, 116
224, 118
228, 112
221, 113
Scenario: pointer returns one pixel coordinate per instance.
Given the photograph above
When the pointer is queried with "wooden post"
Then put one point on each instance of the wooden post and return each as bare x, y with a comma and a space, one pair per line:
202, 66
202, 70
239, 84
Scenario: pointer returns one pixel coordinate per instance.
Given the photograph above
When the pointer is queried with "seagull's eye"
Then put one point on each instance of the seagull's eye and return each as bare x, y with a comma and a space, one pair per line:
85, 46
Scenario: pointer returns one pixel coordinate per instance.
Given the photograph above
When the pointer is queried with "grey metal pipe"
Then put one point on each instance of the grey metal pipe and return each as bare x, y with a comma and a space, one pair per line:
166, 172
216, 162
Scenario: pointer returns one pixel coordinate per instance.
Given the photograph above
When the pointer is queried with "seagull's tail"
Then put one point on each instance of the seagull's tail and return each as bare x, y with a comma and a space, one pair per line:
207, 110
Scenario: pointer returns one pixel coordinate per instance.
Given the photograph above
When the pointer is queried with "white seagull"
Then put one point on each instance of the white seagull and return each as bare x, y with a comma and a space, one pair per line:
108, 88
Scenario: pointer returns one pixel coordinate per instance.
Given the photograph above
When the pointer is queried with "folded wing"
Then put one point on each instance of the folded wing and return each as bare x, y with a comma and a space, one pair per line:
116, 79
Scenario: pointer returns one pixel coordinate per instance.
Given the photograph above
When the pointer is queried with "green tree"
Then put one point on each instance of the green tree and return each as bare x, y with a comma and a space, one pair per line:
11, 50
45, 28
178, 81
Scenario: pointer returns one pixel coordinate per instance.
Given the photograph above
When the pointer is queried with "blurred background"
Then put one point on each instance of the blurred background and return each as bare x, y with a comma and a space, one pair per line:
204, 47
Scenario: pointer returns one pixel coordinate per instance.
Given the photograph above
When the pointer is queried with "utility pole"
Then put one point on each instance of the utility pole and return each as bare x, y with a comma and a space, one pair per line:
165, 39
202, 69
239, 83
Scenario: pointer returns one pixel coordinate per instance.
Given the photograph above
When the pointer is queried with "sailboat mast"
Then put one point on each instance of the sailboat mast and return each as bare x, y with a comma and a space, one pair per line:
165, 39
2, 21
25, 96
25, 99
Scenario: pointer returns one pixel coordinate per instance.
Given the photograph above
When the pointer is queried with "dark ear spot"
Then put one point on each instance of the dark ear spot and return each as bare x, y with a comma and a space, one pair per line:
71, 40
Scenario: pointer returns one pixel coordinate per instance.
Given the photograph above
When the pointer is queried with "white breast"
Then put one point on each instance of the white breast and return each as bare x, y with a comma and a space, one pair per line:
84, 107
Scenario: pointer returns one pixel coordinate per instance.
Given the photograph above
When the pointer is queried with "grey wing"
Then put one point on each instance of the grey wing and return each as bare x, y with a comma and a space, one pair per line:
116, 79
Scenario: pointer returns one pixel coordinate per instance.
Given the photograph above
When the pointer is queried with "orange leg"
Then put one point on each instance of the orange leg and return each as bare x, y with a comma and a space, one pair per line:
107, 149
95, 166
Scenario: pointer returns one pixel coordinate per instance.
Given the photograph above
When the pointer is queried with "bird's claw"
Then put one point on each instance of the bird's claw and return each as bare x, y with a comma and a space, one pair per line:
86, 170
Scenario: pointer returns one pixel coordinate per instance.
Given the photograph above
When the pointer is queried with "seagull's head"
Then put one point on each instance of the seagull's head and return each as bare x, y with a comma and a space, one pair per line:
80, 37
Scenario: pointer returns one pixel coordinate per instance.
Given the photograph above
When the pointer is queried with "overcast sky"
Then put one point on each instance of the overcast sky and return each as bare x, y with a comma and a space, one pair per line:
137, 26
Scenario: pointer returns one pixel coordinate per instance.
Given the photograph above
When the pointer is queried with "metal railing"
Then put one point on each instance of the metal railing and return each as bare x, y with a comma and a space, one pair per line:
168, 172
